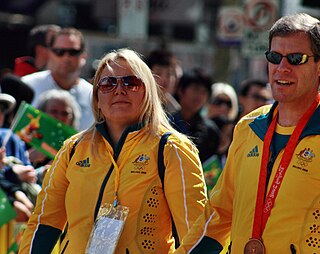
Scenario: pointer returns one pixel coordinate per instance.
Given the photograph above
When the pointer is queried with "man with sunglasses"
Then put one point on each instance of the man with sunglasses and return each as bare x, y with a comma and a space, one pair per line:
37, 45
267, 199
67, 58
253, 94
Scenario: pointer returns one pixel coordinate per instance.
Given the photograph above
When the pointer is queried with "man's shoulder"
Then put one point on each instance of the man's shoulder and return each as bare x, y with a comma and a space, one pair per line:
257, 112
84, 84
36, 77
260, 113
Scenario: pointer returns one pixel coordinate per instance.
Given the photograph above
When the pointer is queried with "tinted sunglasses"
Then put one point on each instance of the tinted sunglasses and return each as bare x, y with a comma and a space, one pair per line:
258, 97
129, 83
293, 58
219, 102
71, 52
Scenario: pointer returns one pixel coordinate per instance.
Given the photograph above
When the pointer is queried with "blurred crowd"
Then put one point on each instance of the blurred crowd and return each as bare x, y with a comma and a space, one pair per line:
49, 78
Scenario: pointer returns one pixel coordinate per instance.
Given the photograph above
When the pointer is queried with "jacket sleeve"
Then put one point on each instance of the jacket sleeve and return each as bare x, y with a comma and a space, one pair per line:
9, 181
211, 231
49, 217
184, 185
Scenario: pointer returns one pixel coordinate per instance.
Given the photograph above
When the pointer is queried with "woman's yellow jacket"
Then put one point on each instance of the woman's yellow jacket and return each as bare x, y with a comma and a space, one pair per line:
71, 189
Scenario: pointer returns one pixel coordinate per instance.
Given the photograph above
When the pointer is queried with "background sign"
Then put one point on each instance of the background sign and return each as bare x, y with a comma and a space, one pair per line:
133, 18
230, 25
259, 17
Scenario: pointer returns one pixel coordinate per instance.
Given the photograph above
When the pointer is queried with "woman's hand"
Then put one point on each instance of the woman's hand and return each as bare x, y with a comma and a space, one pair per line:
25, 173
23, 206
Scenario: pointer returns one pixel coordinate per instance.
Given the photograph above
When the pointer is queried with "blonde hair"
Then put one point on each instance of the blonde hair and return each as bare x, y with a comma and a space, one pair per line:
226, 89
152, 114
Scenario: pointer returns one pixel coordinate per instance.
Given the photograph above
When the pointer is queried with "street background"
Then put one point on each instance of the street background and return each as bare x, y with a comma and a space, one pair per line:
227, 38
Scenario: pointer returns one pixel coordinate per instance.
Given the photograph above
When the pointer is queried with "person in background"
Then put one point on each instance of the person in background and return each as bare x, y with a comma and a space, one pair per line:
193, 92
163, 66
38, 47
222, 109
14, 86
66, 58
115, 163
253, 93
267, 198
226, 128
62, 106
15, 166
223, 102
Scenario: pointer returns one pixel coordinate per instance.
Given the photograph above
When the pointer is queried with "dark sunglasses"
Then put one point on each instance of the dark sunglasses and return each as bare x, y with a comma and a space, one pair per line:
129, 83
293, 58
258, 97
219, 102
71, 52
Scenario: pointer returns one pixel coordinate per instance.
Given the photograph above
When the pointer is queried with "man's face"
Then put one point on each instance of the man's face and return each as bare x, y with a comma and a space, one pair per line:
193, 98
294, 85
166, 77
256, 97
67, 63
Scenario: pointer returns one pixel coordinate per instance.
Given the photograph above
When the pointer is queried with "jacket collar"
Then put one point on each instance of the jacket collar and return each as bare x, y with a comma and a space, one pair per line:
102, 129
260, 124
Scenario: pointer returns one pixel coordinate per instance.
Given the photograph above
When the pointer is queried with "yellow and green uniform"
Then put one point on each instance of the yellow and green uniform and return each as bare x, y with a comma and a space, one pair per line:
294, 222
71, 190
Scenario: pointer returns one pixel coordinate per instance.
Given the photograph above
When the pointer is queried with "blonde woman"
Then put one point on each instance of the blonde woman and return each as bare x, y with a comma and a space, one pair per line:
223, 102
115, 164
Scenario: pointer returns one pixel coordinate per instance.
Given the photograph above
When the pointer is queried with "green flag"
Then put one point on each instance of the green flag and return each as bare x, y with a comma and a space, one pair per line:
7, 213
211, 170
43, 132
13, 248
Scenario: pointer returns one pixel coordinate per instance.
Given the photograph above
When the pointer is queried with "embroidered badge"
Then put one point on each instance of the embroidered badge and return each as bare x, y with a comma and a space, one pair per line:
304, 157
140, 163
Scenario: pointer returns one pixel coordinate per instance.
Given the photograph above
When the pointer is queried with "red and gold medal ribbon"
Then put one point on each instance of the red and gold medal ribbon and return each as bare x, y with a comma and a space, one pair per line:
264, 205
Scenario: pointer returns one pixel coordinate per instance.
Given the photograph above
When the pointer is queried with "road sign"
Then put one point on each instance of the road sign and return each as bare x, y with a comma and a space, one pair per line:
230, 24
259, 17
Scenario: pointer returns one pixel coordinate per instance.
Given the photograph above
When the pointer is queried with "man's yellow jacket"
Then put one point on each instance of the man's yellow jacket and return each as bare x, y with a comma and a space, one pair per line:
294, 222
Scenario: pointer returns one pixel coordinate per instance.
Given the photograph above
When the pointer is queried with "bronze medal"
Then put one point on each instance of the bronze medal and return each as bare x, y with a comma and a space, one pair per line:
254, 246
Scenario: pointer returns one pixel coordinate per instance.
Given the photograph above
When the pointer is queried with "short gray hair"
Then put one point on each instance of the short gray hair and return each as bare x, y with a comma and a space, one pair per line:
67, 98
298, 22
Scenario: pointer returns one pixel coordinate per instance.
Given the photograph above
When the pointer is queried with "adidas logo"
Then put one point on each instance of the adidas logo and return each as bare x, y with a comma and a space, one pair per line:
84, 164
254, 152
